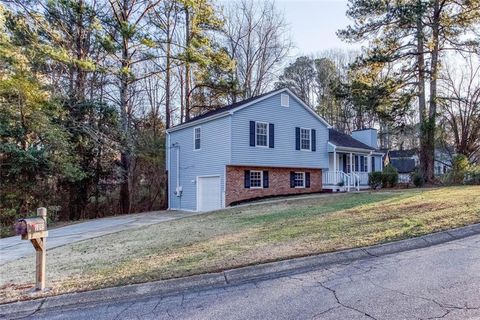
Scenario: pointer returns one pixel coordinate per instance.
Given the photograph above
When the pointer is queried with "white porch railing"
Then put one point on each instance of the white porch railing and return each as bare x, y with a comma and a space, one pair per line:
337, 178
363, 178
348, 180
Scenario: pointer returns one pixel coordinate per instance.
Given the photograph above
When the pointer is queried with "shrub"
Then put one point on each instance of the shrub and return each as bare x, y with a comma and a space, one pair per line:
418, 179
459, 168
472, 175
390, 176
375, 179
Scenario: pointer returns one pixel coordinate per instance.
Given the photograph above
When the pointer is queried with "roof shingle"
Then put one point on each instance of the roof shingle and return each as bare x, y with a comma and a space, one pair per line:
344, 140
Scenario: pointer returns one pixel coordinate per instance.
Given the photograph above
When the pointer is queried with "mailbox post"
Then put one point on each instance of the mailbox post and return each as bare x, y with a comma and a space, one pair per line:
35, 230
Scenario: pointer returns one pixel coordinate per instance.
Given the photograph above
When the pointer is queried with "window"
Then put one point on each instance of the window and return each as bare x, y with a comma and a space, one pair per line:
305, 139
285, 100
256, 178
261, 134
299, 180
365, 164
196, 138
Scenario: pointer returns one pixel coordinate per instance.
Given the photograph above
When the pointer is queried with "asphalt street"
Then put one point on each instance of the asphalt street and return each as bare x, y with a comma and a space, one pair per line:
438, 282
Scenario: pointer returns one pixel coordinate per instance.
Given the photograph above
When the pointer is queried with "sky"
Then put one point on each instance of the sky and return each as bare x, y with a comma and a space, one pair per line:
313, 24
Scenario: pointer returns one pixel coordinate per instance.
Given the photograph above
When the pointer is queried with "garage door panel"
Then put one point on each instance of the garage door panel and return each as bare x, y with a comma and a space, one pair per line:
208, 193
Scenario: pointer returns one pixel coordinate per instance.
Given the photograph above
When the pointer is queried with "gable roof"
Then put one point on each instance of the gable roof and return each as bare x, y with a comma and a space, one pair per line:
403, 165
226, 110
340, 139
227, 107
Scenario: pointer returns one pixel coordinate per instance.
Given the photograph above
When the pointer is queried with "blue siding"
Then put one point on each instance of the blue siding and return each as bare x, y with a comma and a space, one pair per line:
285, 120
211, 159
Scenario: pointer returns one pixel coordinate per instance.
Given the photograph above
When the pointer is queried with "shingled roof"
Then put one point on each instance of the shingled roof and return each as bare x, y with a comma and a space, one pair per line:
402, 153
344, 140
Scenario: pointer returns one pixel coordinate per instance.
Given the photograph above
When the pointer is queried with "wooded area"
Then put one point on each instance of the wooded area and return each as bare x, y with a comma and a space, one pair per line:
88, 88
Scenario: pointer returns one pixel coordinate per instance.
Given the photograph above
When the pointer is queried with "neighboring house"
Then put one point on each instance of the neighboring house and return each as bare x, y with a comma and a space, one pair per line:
406, 161
272, 144
405, 167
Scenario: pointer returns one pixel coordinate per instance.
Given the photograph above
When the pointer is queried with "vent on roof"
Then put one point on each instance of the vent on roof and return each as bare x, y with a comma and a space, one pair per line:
285, 100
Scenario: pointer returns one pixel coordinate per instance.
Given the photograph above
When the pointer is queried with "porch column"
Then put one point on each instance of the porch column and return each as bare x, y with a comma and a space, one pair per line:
351, 162
369, 163
335, 165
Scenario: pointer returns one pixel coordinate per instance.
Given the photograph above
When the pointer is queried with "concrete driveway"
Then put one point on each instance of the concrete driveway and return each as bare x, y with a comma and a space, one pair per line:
13, 248
437, 282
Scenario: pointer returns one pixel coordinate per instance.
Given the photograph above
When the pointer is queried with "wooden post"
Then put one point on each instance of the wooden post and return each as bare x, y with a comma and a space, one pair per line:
40, 247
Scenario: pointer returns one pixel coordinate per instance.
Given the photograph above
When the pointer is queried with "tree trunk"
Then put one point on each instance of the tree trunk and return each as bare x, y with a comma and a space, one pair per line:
421, 93
187, 65
167, 85
430, 145
125, 156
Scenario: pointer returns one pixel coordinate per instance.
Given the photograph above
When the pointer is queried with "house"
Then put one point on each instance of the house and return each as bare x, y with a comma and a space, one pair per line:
272, 144
405, 167
406, 161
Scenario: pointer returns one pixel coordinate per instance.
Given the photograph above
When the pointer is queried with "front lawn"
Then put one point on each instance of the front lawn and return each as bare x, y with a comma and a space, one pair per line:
246, 235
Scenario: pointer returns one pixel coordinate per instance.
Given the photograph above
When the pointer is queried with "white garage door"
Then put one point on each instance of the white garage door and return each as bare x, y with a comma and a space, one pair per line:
208, 194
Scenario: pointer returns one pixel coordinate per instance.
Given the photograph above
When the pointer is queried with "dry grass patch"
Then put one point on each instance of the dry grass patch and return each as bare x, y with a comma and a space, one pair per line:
246, 235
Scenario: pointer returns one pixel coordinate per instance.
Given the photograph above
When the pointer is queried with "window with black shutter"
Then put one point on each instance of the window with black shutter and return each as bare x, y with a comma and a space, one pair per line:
271, 135
247, 179
314, 140
252, 133
297, 138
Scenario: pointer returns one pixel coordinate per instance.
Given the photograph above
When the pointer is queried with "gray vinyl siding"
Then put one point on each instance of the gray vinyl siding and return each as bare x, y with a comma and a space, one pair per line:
285, 120
378, 163
210, 160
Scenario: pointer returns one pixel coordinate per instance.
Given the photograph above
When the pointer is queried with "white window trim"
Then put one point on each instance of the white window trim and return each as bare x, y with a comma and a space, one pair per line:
261, 179
268, 134
195, 129
303, 179
309, 137
282, 96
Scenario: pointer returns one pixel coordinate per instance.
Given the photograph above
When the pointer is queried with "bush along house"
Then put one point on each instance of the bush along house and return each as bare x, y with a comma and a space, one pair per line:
269, 145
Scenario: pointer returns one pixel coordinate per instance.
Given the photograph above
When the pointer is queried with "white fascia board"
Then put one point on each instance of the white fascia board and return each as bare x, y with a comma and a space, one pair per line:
348, 149
199, 121
309, 109
230, 112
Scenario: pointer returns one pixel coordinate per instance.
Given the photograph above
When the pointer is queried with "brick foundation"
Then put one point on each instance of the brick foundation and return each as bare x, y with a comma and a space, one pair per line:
279, 183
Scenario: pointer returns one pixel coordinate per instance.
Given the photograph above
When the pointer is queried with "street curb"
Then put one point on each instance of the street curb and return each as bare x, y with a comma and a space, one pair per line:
232, 276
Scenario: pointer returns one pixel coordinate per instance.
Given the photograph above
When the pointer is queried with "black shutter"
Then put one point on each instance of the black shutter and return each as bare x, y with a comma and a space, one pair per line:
265, 179
271, 135
252, 133
314, 140
307, 179
362, 163
292, 179
297, 138
247, 179
345, 163
356, 164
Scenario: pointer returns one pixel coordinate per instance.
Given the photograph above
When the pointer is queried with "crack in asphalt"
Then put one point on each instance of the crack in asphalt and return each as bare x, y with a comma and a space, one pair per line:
34, 311
333, 291
324, 312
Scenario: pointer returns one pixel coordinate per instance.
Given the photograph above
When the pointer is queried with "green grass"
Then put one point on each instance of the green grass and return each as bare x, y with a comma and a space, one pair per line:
247, 235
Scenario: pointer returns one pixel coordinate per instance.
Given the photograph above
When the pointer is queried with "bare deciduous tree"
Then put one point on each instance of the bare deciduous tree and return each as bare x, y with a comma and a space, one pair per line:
460, 103
257, 39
